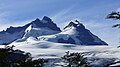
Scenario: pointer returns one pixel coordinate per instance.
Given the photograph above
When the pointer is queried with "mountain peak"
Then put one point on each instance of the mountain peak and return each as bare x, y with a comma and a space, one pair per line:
75, 23
37, 20
45, 18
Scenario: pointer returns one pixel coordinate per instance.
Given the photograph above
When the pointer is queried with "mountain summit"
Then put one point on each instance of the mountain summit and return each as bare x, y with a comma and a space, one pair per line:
75, 23
75, 33
45, 22
40, 28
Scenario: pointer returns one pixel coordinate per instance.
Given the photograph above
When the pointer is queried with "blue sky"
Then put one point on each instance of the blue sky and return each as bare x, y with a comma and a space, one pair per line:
91, 13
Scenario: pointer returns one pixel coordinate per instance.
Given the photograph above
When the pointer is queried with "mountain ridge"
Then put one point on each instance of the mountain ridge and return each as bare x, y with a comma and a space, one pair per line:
13, 33
45, 29
75, 33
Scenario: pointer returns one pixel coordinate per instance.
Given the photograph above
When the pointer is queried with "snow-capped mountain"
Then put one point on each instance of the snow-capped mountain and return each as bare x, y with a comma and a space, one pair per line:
34, 29
74, 33
39, 28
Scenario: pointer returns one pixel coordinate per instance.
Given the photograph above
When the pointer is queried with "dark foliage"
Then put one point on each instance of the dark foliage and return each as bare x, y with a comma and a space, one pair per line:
16, 58
115, 16
116, 25
75, 60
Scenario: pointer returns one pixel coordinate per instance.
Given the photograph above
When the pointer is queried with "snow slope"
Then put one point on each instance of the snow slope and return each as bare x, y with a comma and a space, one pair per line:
97, 55
36, 32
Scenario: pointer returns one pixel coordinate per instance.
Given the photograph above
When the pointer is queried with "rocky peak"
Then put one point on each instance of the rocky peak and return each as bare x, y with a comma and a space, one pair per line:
45, 18
37, 20
76, 24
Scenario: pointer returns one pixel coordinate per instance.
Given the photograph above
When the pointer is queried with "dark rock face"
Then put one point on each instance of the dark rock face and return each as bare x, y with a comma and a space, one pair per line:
84, 35
45, 22
78, 26
47, 19
86, 38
